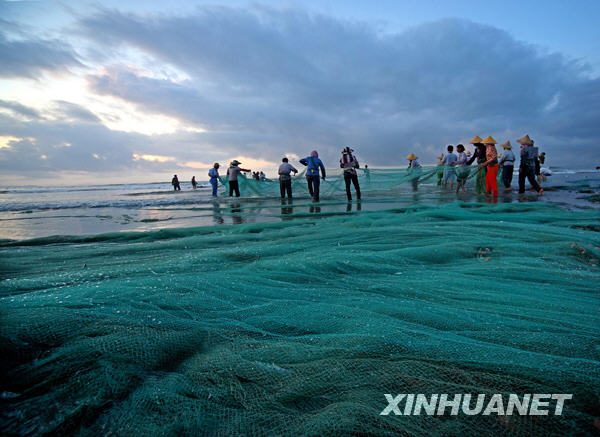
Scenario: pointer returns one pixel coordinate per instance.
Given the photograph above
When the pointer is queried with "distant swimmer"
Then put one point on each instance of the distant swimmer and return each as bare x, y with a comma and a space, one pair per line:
413, 164
527, 165
312, 173
285, 179
491, 164
175, 183
507, 162
213, 173
194, 184
349, 163
449, 162
233, 171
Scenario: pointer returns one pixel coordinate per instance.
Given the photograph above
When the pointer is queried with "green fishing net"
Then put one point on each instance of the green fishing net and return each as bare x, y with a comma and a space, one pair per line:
370, 180
300, 327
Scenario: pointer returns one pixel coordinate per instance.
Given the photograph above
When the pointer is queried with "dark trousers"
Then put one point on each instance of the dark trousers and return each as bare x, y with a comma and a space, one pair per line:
285, 186
176, 187
313, 186
529, 173
507, 174
354, 178
234, 186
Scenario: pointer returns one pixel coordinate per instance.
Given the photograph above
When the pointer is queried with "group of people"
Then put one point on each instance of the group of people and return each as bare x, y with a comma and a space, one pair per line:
456, 169
456, 166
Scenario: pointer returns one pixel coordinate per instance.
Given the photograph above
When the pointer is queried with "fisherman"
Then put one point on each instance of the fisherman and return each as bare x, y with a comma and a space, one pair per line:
462, 170
349, 163
449, 162
413, 164
213, 173
491, 163
541, 174
175, 183
194, 184
262, 176
507, 162
285, 179
478, 154
527, 165
312, 173
233, 171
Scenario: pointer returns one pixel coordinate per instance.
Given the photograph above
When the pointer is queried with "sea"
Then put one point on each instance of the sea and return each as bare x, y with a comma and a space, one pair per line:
132, 309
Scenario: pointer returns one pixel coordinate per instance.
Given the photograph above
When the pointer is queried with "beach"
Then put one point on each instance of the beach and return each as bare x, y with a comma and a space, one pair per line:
133, 310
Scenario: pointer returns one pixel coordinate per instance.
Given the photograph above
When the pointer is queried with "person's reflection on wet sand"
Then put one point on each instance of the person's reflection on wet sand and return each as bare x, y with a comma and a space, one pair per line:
236, 217
217, 217
349, 206
286, 208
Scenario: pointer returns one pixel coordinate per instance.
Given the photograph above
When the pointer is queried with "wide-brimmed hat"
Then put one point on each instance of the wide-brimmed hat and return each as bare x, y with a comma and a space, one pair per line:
507, 145
525, 141
489, 140
412, 157
235, 162
475, 140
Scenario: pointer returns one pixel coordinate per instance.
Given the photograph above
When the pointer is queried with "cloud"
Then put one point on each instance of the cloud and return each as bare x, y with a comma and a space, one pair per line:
29, 58
265, 83
288, 80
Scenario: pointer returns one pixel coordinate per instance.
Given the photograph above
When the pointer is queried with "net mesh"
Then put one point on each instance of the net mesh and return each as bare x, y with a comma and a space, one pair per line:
300, 327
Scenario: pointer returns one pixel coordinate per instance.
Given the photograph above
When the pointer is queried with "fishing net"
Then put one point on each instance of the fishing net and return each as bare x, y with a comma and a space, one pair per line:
300, 327
369, 179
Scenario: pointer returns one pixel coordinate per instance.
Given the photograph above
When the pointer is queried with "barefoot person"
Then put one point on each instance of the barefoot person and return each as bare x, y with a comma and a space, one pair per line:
285, 179
314, 164
507, 162
478, 154
213, 173
413, 164
462, 170
449, 162
233, 171
527, 165
349, 164
491, 164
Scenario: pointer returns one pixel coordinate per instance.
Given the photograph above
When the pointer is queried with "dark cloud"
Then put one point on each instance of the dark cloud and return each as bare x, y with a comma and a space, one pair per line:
264, 82
68, 111
31, 57
20, 110
288, 76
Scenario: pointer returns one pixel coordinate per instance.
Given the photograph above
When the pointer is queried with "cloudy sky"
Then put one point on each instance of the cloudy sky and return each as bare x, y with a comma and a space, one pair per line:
124, 91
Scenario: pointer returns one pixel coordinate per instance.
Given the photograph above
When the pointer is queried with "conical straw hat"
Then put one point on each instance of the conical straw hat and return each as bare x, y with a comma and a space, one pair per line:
507, 145
525, 140
476, 140
489, 140
411, 157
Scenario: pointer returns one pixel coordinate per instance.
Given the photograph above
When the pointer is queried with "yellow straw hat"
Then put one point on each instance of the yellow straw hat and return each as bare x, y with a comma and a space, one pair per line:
476, 140
507, 145
489, 140
411, 157
525, 141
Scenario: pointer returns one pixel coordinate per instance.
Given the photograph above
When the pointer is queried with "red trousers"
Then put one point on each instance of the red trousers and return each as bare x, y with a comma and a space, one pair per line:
491, 185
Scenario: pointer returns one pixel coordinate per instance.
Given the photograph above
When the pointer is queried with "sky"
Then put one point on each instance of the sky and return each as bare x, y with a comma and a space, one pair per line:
136, 91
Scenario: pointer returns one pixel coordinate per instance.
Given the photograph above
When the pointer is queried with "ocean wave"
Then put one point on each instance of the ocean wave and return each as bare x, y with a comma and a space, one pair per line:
100, 204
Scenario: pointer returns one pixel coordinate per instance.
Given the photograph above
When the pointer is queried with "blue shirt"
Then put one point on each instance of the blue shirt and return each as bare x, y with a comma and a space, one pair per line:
314, 164
213, 173
449, 158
